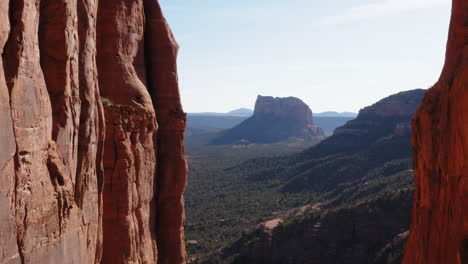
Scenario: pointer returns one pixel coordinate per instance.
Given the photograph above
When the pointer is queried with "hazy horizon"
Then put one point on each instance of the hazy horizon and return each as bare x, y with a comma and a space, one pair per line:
335, 55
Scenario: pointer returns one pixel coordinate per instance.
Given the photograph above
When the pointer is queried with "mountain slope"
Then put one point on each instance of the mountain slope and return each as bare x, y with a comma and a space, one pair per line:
356, 233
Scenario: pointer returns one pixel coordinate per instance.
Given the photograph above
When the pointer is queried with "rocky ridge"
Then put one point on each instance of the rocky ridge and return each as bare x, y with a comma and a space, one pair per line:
372, 124
86, 179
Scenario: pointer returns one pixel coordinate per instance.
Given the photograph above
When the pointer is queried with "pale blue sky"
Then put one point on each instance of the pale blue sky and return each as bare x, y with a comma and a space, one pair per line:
337, 55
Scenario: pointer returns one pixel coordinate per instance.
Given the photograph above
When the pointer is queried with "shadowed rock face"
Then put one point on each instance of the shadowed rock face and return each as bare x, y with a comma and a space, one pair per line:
274, 120
439, 231
81, 182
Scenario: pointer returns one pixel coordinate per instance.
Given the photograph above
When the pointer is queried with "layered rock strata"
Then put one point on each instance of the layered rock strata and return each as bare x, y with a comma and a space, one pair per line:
85, 179
439, 231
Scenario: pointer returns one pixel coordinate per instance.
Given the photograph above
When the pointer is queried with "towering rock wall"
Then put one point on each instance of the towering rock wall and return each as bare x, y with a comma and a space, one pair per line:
439, 231
172, 166
9, 246
83, 181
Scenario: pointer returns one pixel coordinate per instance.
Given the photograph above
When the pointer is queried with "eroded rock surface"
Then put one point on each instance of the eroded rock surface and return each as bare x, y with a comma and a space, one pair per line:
439, 231
81, 182
129, 163
172, 165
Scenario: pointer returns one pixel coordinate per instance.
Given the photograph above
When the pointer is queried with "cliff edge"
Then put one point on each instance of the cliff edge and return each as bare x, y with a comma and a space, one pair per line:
92, 164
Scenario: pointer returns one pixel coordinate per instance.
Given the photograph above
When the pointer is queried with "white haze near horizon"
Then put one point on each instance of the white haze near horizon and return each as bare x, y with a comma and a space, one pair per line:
337, 55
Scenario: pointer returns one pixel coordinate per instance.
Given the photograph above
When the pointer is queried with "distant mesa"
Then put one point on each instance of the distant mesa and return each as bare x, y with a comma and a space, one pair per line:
274, 120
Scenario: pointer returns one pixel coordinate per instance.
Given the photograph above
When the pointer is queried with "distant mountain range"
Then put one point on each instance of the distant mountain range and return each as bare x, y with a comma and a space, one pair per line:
238, 112
335, 114
241, 112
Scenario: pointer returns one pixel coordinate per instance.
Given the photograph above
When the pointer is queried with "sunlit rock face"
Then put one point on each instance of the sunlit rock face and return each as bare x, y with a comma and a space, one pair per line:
92, 165
439, 231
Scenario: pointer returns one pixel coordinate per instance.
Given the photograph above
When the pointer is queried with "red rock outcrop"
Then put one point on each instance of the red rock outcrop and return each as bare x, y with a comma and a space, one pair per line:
81, 182
172, 165
439, 231
129, 153
289, 108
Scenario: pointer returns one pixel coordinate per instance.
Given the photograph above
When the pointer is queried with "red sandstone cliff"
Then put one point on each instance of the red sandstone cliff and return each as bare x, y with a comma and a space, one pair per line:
439, 231
81, 182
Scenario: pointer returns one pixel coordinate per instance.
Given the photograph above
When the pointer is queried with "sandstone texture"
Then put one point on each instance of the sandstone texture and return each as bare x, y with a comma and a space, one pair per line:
274, 119
92, 163
439, 231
